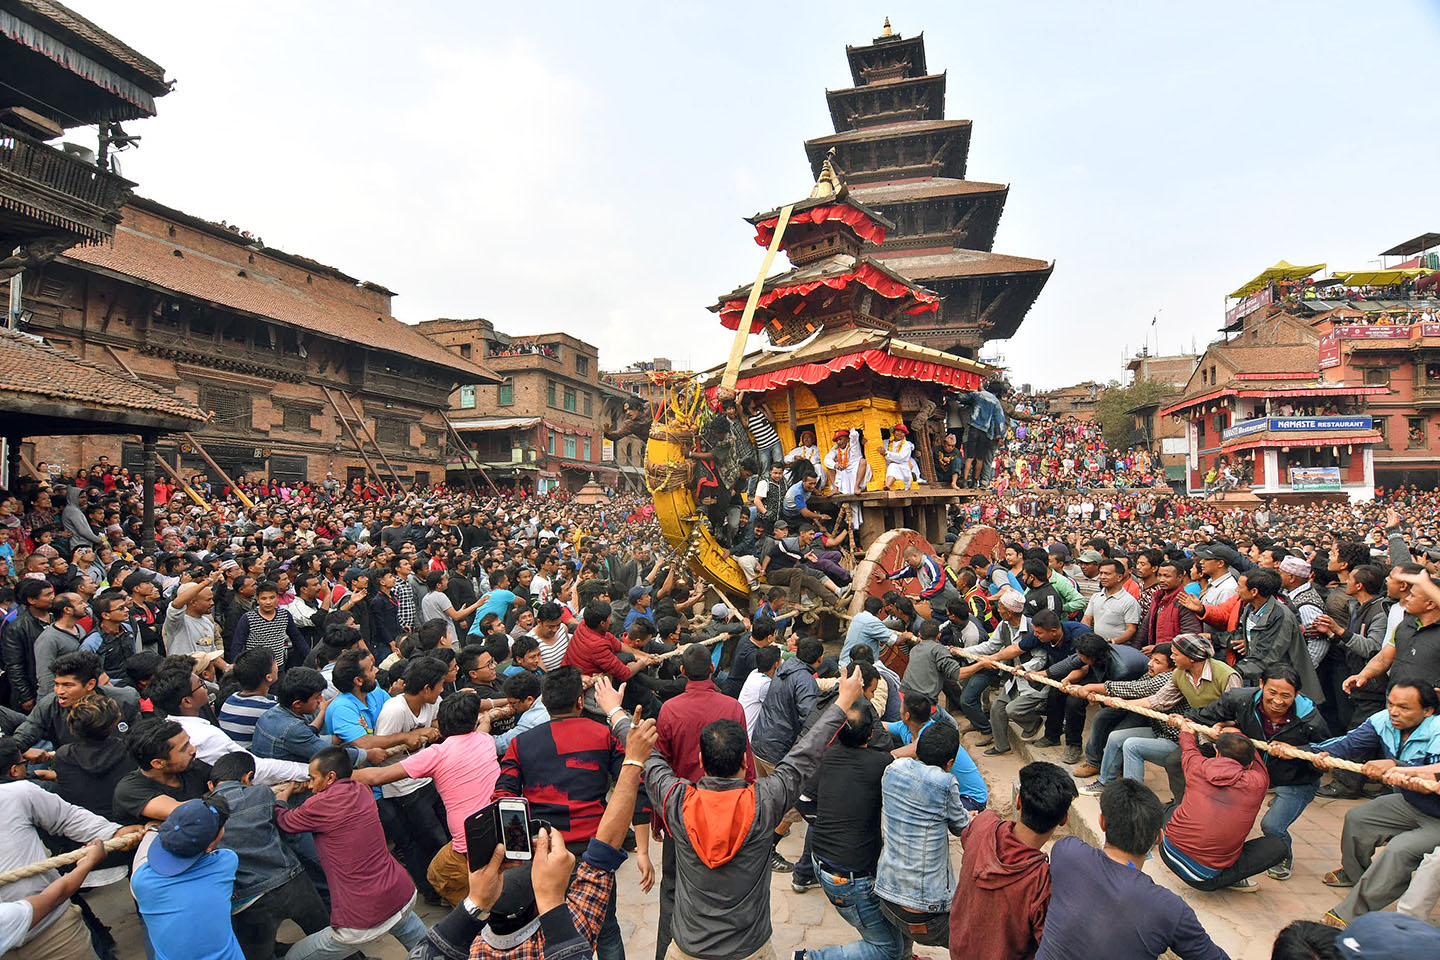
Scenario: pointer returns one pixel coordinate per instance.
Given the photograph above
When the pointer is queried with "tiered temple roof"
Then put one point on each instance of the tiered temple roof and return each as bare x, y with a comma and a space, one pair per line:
901, 157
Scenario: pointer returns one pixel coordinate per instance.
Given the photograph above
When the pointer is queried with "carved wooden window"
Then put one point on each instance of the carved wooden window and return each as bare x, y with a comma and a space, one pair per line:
392, 432
232, 408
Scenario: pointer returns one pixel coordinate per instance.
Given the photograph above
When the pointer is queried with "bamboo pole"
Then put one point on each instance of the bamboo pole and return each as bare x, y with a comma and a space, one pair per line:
353, 438
205, 455
360, 421
1287, 752
742, 330
183, 485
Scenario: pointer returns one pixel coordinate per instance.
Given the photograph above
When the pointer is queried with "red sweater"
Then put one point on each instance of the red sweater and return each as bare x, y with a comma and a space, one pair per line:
1221, 801
1002, 894
594, 652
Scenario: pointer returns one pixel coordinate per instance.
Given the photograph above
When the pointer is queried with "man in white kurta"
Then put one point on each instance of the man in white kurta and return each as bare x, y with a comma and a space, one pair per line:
809, 450
899, 452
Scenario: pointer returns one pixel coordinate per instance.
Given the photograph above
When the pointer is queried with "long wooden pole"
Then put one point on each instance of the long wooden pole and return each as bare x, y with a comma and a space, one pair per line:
353, 439
742, 331
180, 480
465, 452
205, 455
360, 421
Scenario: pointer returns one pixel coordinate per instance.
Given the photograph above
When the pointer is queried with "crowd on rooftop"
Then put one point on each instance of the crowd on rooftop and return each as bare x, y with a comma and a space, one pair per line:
309, 697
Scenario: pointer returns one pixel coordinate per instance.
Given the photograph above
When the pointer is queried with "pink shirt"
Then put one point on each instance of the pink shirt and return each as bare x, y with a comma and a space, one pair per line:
464, 769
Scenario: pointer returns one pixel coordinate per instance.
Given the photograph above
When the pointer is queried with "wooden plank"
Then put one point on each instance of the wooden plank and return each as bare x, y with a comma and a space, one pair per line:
181, 482
205, 455
742, 330
360, 421
353, 439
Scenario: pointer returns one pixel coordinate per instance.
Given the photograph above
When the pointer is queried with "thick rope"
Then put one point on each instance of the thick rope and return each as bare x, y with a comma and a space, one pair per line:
65, 859
1417, 784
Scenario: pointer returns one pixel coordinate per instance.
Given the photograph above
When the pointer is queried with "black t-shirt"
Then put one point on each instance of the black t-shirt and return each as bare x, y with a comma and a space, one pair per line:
847, 819
135, 790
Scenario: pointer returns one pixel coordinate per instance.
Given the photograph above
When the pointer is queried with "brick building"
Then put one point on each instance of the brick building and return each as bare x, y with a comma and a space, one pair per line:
1164, 436
261, 339
540, 427
1078, 400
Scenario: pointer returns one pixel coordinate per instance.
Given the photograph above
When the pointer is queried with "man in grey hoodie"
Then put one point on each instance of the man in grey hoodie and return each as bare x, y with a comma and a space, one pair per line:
74, 520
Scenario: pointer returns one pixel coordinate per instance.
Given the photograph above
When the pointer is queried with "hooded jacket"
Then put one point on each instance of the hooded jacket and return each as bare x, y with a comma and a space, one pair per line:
1004, 889
791, 697
1274, 636
74, 521
88, 770
1220, 804
1378, 738
1241, 707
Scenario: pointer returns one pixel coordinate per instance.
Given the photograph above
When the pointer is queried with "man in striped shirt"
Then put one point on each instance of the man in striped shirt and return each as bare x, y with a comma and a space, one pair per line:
255, 671
767, 441
270, 627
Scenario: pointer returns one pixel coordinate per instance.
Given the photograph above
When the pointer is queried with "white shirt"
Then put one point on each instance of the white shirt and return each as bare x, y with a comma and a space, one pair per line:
752, 697
395, 717
302, 613
211, 744
1220, 590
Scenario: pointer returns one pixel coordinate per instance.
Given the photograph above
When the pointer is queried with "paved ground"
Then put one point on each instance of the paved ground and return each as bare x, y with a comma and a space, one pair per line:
1244, 924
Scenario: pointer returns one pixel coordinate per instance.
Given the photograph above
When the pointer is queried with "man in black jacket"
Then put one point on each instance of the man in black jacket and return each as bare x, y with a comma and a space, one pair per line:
1352, 645
1276, 713
791, 697
35, 598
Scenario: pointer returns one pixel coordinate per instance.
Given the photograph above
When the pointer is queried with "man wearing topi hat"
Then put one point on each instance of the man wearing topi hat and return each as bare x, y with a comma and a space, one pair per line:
899, 452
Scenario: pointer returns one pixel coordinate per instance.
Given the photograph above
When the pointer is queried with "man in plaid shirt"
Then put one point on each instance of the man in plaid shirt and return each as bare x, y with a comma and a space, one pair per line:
544, 914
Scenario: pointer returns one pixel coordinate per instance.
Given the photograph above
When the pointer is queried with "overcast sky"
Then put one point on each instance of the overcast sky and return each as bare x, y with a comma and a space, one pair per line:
585, 166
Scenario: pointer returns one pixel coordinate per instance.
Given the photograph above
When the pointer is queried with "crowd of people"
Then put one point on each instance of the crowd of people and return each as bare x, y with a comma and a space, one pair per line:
1062, 453
307, 700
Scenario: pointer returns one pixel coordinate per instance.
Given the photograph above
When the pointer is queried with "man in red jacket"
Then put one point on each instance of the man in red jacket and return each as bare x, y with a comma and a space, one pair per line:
1167, 618
1204, 841
593, 648
1004, 887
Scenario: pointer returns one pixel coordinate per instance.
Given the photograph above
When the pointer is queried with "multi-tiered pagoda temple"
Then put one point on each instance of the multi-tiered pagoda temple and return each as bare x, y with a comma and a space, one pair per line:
900, 156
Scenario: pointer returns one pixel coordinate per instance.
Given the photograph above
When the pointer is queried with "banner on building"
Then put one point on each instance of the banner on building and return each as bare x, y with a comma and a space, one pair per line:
1248, 305
1430, 329
607, 451
1315, 478
1295, 425
1174, 445
1329, 351
1381, 331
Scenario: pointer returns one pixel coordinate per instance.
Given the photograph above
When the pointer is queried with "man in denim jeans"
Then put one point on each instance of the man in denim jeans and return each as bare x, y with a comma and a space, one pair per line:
845, 837
921, 808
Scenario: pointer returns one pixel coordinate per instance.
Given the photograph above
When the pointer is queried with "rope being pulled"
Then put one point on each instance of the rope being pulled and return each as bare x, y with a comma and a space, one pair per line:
1284, 751
65, 859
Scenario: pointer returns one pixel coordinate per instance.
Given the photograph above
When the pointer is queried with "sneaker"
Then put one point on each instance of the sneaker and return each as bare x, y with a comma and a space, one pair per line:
1086, 769
779, 864
804, 886
1072, 754
1244, 886
995, 751
1094, 788
797, 955
1281, 870
1044, 743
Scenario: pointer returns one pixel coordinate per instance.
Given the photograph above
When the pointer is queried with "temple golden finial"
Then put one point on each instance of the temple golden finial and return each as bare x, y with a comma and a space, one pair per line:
828, 183
885, 31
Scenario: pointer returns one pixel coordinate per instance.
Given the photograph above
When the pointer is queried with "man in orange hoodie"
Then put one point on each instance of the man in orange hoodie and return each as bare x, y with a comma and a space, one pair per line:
1004, 888
722, 829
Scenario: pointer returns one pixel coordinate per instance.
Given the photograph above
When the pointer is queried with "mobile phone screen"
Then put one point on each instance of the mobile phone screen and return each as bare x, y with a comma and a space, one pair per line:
515, 830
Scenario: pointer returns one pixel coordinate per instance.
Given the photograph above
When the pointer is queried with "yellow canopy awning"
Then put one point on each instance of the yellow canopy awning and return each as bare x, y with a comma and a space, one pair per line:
1281, 271
1379, 278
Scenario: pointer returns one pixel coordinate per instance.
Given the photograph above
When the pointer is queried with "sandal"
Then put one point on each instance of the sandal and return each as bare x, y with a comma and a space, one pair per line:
1330, 920
1337, 878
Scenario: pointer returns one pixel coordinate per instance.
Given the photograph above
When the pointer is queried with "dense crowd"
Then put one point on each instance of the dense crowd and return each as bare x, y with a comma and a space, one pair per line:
320, 699
1058, 453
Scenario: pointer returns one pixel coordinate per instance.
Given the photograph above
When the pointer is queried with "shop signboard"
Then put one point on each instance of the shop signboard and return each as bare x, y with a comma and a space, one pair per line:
1315, 478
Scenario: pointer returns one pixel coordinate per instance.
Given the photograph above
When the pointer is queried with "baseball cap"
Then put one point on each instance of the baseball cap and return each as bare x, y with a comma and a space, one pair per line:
1393, 936
184, 836
1091, 556
1206, 552
636, 593
1059, 550
720, 610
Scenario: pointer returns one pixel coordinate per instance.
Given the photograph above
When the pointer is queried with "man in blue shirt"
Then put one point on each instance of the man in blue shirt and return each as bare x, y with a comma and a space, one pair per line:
639, 607
498, 601
352, 715
1049, 640
183, 888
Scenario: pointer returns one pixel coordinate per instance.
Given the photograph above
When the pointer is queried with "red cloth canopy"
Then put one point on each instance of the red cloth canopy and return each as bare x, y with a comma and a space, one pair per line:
867, 275
877, 360
866, 228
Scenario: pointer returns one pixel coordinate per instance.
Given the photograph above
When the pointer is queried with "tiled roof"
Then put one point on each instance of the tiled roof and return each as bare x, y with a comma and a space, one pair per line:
959, 263
196, 274
889, 131
67, 19
37, 369
922, 188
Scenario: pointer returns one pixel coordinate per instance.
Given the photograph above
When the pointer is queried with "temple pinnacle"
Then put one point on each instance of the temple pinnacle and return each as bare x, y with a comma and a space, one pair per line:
828, 183
885, 31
